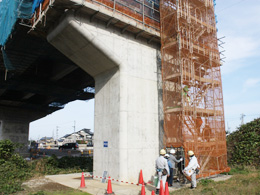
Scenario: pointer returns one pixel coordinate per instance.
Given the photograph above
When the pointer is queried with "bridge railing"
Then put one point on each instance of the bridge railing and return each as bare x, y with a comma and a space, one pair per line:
144, 11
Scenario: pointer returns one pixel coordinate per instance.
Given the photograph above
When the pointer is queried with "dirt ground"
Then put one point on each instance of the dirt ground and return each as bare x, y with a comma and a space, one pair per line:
41, 184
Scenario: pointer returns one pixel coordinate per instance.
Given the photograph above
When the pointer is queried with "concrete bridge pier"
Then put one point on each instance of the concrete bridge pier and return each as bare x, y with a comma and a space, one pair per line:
126, 96
14, 125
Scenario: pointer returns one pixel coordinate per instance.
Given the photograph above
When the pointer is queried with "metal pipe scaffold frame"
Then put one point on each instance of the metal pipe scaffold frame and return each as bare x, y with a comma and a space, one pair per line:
192, 87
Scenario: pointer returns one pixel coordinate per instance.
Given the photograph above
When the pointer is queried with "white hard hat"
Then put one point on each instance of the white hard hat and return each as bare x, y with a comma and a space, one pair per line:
166, 155
190, 153
162, 152
172, 151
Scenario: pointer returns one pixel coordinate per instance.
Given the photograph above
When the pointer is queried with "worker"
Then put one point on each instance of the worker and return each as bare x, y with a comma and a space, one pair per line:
173, 160
185, 94
167, 156
193, 165
162, 169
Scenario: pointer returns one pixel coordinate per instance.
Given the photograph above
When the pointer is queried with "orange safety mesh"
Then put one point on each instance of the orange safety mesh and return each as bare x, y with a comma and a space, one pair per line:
192, 87
143, 11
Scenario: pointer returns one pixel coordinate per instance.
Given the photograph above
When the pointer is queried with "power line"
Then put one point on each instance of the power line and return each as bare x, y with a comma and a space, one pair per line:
60, 124
232, 5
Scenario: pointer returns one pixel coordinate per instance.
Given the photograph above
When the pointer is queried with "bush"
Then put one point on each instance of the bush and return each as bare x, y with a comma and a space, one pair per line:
84, 163
7, 149
244, 145
53, 165
13, 168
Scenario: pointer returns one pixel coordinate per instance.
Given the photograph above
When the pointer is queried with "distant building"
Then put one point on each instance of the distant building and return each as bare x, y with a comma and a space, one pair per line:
46, 142
84, 136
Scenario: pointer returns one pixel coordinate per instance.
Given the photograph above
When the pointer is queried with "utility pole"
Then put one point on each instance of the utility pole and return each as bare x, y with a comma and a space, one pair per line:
74, 131
228, 129
74, 126
242, 118
57, 132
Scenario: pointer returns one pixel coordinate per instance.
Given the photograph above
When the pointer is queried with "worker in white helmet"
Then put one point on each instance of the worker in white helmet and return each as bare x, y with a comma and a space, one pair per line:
193, 165
173, 160
162, 169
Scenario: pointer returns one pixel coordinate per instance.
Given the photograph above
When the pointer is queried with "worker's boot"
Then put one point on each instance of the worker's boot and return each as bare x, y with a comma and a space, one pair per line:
157, 191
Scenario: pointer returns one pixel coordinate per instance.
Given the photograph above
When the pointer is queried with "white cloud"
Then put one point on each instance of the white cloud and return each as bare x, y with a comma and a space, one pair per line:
241, 47
251, 83
238, 50
238, 23
233, 113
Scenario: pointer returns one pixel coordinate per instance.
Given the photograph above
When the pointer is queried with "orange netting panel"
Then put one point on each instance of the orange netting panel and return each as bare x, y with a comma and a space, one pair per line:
192, 87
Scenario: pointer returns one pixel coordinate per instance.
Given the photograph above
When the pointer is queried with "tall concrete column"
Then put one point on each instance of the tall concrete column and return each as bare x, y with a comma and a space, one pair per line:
126, 130
14, 125
16, 131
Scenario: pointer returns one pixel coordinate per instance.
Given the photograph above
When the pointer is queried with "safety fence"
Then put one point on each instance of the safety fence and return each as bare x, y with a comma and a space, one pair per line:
144, 11
112, 179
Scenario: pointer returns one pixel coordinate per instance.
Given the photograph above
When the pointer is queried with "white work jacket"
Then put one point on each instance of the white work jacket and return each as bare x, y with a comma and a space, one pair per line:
193, 164
161, 163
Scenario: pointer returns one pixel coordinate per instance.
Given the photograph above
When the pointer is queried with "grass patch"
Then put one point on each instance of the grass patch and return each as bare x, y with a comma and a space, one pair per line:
239, 170
206, 182
243, 181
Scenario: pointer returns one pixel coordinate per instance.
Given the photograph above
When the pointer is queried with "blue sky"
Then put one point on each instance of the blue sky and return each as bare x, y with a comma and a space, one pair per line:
239, 22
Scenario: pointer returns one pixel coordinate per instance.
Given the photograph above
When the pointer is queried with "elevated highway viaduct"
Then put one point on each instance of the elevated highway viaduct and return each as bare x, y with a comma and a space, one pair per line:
72, 46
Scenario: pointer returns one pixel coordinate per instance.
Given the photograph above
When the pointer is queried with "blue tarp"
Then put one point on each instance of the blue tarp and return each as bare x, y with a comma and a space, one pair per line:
10, 11
36, 4
8, 17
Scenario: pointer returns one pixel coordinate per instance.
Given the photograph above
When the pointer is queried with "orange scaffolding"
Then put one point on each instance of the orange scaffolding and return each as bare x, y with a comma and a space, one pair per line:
192, 87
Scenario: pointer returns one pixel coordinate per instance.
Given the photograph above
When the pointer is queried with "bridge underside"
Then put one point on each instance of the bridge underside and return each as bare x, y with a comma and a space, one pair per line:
36, 80
36, 76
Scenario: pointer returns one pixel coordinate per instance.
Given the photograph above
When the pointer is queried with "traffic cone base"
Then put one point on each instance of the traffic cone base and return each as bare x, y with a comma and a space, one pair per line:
143, 190
109, 187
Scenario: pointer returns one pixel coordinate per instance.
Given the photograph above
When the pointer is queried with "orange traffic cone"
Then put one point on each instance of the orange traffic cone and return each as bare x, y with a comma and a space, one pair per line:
82, 183
109, 187
152, 193
166, 189
161, 188
141, 180
143, 190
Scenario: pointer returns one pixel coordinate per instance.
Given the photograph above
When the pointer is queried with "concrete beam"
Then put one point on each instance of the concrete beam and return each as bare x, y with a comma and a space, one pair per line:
85, 49
109, 21
125, 28
93, 16
48, 89
139, 33
62, 71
